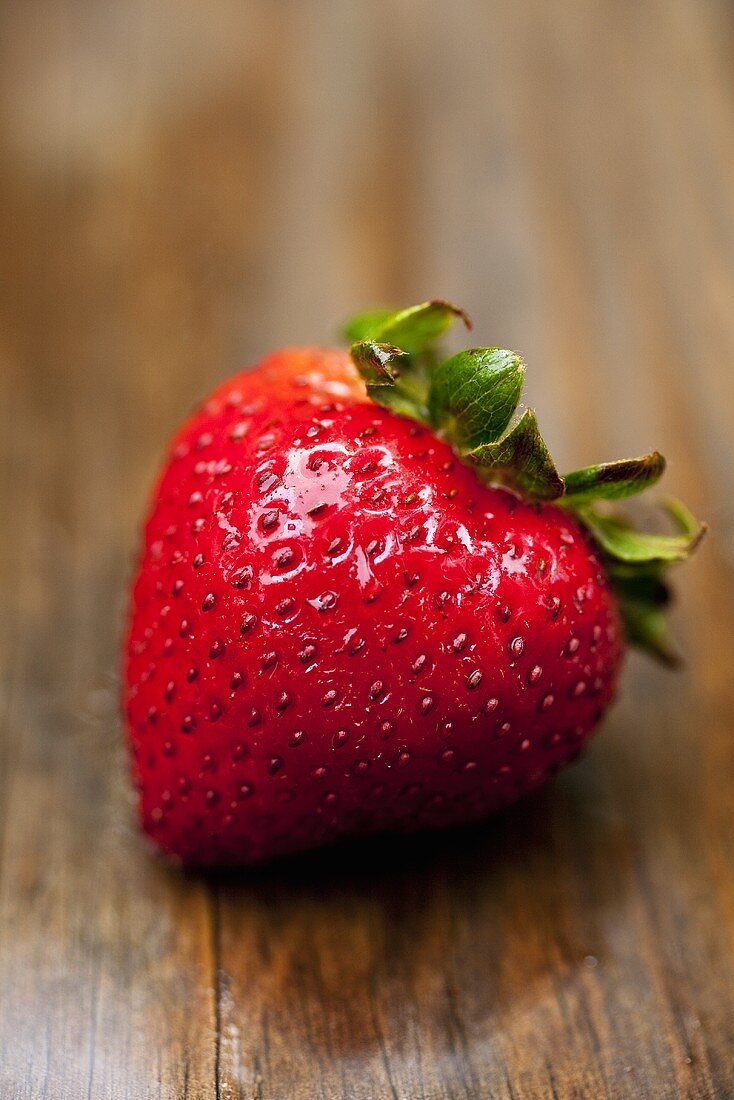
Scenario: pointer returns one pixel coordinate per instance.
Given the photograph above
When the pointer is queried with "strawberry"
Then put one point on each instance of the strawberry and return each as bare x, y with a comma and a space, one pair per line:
367, 602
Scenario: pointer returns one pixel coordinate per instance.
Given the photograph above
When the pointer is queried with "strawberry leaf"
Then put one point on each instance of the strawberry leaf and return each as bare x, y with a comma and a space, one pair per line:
623, 543
643, 598
684, 519
413, 329
614, 480
474, 394
393, 353
416, 328
646, 626
390, 381
365, 325
379, 364
522, 458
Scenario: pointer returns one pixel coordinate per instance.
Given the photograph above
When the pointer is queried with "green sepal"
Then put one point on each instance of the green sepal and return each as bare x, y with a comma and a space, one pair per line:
646, 626
644, 595
622, 543
386, 371
474, 394
684, 519
643, 583
414, 329
418, 327
614, 480
393, 353
522, 459
643, 592
365, 325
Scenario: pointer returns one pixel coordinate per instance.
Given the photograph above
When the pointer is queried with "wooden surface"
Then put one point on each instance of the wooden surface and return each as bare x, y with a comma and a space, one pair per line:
185, 186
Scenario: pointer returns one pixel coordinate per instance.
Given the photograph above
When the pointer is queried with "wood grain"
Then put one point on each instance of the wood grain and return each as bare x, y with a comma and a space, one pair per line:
185, 186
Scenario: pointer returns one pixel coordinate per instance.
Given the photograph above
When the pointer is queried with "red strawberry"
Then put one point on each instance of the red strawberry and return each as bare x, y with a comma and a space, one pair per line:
340, 626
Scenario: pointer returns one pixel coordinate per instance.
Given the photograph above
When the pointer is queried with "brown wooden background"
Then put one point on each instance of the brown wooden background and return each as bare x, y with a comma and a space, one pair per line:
187, 184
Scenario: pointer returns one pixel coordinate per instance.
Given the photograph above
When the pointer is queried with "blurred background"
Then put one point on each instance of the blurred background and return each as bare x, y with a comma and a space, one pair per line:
187, 185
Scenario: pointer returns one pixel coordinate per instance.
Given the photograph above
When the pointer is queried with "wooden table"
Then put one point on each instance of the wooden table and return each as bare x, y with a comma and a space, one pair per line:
186, 186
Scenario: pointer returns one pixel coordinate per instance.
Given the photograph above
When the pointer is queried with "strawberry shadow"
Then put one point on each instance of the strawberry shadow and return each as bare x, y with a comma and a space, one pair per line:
383, 942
